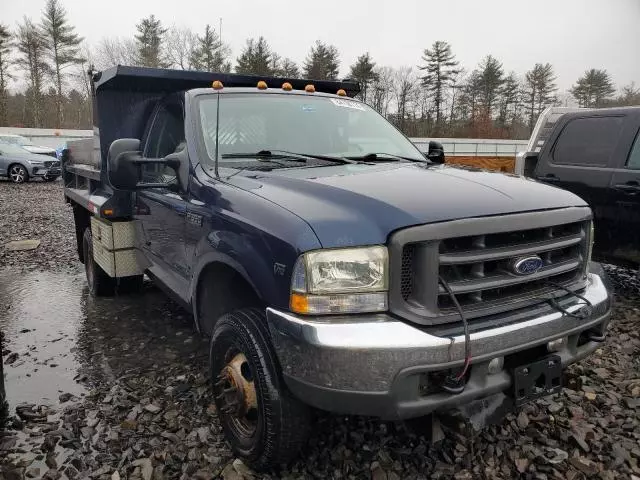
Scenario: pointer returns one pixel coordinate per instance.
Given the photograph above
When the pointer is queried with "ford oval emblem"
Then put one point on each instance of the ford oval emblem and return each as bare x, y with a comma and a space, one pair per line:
527, 265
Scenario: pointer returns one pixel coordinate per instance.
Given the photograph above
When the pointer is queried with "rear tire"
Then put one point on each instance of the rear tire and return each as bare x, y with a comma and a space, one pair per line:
18, 174
268, 426
100, 284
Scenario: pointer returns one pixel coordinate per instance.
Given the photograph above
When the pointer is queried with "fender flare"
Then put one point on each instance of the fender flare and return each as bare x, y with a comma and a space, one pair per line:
204, 261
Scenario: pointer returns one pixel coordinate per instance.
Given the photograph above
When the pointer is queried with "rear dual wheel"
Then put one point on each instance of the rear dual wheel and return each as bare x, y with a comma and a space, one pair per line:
263, 423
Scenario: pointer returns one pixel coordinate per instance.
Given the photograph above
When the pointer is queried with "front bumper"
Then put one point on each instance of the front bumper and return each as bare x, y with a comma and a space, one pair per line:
42, 171
377, 365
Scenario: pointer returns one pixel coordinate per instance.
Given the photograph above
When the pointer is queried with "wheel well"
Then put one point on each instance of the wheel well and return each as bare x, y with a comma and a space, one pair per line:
82, 219
220, 290
16, 163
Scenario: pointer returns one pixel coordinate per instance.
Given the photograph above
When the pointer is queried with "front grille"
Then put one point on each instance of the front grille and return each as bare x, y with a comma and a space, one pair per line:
479, 268
50, 164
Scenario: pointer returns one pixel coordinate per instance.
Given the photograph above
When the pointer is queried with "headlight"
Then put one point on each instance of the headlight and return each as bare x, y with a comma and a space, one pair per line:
346, 280
36, 163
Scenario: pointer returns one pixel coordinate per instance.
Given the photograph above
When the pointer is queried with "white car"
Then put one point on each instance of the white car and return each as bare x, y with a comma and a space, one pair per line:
27, 144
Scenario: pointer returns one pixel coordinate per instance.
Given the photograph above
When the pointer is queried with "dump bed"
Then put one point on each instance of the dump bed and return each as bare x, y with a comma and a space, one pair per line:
123, 100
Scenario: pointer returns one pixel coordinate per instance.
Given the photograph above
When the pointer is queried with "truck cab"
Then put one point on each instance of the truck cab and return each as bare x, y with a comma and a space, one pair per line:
332, 265
595, 153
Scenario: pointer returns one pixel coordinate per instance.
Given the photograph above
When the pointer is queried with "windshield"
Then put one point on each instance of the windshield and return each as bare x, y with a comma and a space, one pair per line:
12, 149
304, 124
15, 140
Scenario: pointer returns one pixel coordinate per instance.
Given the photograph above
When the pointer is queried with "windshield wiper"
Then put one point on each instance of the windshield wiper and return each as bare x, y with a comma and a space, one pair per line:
378, 157
285, 154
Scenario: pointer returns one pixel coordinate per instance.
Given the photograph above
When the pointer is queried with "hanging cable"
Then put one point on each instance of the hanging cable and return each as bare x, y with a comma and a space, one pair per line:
453, 383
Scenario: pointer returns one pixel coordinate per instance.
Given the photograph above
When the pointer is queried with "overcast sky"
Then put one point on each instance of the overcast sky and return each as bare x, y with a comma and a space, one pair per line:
571, 34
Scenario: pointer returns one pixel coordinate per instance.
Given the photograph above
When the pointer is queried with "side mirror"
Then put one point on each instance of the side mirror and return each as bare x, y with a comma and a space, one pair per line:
436, 152
125, 162
526, 163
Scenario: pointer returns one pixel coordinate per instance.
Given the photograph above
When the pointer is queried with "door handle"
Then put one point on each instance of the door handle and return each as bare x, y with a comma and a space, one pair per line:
550, 177
630, 188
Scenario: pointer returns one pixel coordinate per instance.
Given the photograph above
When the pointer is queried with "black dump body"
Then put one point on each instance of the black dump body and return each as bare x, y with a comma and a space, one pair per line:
124, 97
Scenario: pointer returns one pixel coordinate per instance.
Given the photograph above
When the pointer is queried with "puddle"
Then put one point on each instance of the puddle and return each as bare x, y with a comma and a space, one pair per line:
67, 341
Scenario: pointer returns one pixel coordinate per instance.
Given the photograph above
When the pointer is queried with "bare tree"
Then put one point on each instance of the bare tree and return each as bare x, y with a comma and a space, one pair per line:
32, 48
179, 43
380, 96
116, 51
404, 89
6, 43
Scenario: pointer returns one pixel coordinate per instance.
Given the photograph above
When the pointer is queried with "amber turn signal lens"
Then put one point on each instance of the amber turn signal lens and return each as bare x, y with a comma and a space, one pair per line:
107, 212
342, 93
287, 87
299, 303
217, 85
262, 85
310, 88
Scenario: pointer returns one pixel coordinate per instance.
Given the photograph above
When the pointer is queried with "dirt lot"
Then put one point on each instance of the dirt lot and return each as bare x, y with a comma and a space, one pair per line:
117, 388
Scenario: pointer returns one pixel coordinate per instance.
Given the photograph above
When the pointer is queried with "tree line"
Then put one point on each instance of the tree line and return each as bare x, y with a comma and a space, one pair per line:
436, 97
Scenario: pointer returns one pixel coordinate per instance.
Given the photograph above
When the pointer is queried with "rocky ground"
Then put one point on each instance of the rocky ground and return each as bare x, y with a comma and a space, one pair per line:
152, 416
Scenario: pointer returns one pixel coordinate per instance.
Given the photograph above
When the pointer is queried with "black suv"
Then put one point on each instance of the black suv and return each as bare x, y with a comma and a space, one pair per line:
595, 153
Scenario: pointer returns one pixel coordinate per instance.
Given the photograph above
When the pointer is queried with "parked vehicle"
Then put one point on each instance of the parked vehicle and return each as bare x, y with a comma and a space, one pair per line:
27, 144
595, 153
19, 165
330, 262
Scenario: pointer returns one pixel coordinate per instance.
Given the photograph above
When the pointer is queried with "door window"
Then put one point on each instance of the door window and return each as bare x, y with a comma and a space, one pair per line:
166, 136
588, 141
634, 157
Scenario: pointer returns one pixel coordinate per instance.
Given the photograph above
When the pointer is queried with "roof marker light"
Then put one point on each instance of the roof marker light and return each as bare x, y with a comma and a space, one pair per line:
217, 85
287, 87
262, 85
310, 88
341, 93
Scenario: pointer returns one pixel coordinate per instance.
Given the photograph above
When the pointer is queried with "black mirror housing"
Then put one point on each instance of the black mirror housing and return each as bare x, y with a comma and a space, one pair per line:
436, 152
125, 163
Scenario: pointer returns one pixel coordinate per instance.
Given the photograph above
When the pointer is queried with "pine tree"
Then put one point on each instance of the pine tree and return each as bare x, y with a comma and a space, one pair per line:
440, 69
5, 49
510, 100
540, 90
256, 58
364, 72
491, 79
63, 45
322, 63
149, 40
593, 88
32, 49
209, 53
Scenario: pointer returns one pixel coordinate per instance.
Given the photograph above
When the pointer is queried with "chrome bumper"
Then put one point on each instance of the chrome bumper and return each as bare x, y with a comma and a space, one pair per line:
372, 364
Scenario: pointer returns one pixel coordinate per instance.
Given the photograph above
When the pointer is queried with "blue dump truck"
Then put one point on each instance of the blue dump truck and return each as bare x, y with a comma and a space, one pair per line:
331, 263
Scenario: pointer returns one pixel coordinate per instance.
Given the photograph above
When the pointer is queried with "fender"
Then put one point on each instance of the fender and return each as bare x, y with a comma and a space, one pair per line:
217, 256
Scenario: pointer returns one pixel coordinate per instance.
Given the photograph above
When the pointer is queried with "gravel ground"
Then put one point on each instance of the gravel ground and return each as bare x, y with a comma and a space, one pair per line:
36, 210
157, 419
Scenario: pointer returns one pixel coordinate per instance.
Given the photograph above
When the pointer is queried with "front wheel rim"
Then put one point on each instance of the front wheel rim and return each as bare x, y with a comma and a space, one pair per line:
17, 174
236, 395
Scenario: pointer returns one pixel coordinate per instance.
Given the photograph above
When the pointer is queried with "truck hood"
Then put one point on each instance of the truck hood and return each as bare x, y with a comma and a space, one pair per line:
362, 204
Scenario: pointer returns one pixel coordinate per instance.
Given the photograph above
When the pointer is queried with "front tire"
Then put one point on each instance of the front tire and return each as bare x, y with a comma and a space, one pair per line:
264, 424
100, 284
18, 174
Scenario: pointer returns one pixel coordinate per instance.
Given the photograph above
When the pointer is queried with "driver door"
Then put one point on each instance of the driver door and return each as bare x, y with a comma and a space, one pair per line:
161, 212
